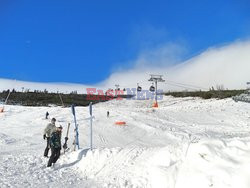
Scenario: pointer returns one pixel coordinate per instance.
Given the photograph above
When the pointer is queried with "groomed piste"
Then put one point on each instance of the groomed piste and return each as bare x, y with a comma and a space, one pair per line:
185, 142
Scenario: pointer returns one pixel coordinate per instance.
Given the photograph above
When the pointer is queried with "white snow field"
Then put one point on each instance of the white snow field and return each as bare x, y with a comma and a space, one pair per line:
185, 143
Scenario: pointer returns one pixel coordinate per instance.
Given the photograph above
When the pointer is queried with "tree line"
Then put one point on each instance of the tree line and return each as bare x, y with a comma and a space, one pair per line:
44, 98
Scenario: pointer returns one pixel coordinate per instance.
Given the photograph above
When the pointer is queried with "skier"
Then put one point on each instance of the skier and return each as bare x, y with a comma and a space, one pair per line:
47, 134
47, 114
55, 144
107, 113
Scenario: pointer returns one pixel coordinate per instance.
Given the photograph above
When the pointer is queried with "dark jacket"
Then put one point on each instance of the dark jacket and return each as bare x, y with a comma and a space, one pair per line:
55, 140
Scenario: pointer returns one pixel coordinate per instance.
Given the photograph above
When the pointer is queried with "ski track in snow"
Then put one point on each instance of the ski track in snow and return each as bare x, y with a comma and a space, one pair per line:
186, 142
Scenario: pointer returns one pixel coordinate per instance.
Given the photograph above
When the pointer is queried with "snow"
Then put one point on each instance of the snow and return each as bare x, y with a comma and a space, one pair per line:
186, 142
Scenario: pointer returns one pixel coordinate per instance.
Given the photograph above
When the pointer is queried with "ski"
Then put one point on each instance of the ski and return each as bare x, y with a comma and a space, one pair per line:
65, 146
76, 142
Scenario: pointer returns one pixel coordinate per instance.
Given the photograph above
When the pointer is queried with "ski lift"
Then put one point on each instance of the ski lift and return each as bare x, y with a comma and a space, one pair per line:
139, 88
152, 88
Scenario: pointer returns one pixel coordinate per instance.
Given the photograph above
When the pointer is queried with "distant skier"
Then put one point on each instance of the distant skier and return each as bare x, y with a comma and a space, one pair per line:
47, 115
107, 113
55, 144
51, 127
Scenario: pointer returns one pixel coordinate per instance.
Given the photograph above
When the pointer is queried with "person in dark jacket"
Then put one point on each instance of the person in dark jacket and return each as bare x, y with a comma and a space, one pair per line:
55, 144
46, 115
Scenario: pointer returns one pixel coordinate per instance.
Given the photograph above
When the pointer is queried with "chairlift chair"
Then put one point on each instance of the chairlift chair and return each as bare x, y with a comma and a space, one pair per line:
152, 88
139, 88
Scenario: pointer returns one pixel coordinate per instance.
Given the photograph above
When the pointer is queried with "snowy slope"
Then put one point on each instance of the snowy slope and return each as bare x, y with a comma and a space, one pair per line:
187, 142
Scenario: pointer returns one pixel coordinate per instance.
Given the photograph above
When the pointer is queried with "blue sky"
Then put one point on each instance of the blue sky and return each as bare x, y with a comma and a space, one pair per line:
83, 41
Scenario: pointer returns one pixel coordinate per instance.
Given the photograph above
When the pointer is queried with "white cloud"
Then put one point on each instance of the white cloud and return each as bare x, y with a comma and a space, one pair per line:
228, 65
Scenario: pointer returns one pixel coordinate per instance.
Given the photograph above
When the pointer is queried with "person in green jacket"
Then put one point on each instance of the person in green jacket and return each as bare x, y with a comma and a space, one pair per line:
55, 145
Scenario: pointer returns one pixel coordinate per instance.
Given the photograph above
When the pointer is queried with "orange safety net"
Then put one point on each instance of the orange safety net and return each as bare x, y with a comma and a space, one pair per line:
155, 105
120, 123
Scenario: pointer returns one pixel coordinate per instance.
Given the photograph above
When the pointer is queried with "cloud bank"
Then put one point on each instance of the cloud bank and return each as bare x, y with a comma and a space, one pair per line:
6, 84
227, 65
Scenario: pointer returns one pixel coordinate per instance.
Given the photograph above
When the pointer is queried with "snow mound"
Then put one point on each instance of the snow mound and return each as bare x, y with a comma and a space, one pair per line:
216, 163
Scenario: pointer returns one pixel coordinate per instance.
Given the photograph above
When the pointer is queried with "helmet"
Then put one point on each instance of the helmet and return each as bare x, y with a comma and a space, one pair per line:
59, 128
53, 119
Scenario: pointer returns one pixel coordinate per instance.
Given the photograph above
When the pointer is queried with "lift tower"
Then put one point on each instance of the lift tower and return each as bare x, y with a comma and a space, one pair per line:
156, 79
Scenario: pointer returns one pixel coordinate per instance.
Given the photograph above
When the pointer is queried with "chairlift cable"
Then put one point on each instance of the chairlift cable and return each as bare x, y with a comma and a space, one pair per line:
186, 85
